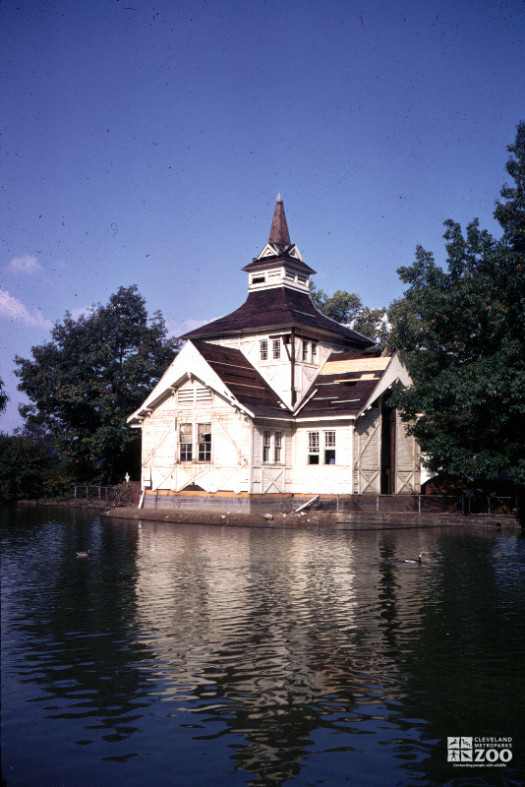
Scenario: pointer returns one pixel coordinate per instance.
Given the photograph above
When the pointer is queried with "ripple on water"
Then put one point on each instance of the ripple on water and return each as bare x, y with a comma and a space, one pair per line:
278, 656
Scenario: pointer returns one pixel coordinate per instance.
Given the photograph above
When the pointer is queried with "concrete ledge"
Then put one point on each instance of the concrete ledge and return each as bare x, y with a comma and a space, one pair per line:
313, 519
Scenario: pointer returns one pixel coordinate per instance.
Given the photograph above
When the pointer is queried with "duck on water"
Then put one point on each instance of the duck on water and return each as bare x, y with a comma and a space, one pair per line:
414, 561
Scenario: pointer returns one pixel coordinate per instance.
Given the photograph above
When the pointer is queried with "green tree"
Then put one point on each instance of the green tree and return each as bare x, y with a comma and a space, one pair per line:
461, 333
23, 464
3, 396
347, 308
86, 381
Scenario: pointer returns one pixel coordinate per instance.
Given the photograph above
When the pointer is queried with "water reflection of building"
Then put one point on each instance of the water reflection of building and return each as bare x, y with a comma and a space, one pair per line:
276, 635
254, 639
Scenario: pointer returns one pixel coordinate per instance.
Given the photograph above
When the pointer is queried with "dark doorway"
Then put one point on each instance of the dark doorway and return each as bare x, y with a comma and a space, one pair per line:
388, 447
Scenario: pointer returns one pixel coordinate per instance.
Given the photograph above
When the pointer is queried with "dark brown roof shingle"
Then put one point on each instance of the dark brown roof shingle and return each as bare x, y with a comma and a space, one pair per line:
242, 379
279, 308
343, 385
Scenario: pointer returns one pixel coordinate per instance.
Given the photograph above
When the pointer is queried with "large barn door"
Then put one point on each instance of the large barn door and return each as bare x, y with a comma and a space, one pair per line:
367, 453
407, 462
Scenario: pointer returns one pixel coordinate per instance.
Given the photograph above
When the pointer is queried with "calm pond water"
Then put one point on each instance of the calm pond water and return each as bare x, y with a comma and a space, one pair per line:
196, 655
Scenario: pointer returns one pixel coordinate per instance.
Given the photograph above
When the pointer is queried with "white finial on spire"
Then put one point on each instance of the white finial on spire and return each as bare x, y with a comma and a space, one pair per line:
279, 197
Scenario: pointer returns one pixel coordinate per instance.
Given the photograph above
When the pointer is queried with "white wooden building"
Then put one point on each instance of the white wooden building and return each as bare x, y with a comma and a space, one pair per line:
277, 399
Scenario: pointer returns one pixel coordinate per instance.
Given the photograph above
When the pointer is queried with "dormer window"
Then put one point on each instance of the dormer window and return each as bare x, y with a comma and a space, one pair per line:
309, 352
263, 349
305, 351
276, 348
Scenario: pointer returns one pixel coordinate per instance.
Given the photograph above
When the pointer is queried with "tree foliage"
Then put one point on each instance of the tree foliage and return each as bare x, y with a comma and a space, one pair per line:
3, 396
461, 333
347, 309
95, 372
23, 464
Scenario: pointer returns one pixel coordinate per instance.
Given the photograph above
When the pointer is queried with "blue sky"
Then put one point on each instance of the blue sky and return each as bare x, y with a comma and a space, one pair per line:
145, 142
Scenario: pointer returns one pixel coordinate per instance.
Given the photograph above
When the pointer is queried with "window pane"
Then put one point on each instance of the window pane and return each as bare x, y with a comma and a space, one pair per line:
313, 448
276, 348
185, 442
305, 351
313, 442
204, 439
278, 444
329, 439
263, 349
185, 433
267, 441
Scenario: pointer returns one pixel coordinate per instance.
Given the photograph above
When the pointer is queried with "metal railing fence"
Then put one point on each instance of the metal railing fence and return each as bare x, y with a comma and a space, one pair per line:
107, 493
420, 504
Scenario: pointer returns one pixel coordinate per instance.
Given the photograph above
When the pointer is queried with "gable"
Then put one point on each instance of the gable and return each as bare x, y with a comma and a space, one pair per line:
188, 364
201, 369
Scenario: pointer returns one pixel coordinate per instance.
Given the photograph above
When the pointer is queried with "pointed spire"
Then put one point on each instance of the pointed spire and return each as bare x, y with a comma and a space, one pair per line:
279, 231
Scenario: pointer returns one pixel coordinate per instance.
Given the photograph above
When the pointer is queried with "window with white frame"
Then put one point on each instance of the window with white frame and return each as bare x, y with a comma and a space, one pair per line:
309, 352
276, 348
313, 448
204, 442
321, 447
329, 448
278, 447
186, 442
272, 452
305, 350
195, 436
263, 349
267, 446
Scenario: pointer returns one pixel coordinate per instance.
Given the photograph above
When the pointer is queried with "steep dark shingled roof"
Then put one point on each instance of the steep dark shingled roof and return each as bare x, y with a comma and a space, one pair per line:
278, 308
242, 379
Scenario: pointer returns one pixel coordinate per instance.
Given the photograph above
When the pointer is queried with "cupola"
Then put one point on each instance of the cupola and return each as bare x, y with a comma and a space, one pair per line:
280, 263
